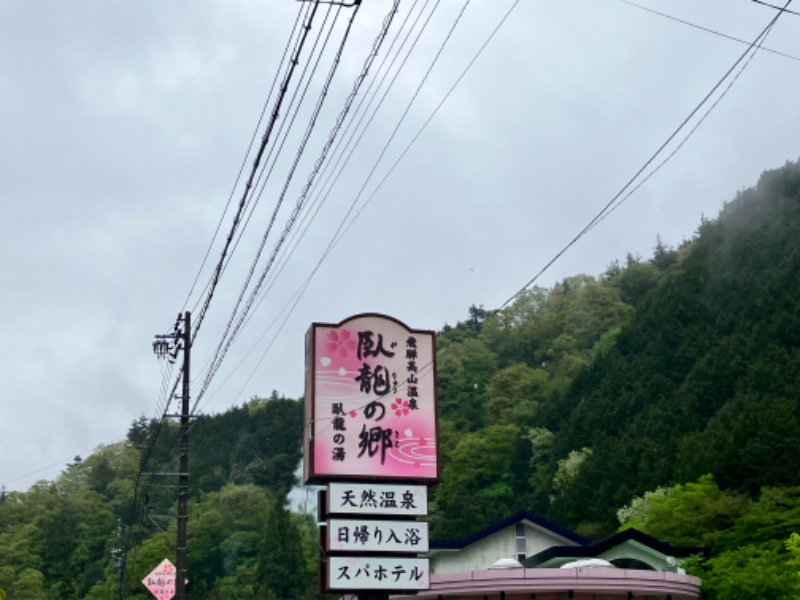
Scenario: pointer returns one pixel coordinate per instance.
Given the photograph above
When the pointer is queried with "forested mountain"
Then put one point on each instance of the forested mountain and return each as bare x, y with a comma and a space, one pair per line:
663, 394
579, 397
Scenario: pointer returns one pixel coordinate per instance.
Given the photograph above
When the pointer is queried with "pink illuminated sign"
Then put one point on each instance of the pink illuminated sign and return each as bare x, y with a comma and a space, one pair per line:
370, 401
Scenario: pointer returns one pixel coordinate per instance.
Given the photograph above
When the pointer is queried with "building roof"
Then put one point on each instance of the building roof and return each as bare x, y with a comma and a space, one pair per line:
583, 583
590, 550
523, 515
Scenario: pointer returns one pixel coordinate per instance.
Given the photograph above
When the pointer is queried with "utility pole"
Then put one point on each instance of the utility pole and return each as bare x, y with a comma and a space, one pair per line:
183, 469
182, 336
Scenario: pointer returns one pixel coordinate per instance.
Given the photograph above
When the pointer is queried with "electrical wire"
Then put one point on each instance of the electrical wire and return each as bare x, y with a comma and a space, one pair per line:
299, 204
758, 40
221, 263
691, 132
395, 77
782, 10
320, 202
373, 115
342, 230
314, 205
47, 468
244, 163
295, 102
205, 388
231, 331
248, 185
247, 199
305, 222
749, 53
319, 198
377, 43
708, 30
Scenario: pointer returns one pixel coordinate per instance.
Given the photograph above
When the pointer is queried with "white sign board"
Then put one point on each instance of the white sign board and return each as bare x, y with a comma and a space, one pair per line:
161, 580
349, 535
377, 499
377, 573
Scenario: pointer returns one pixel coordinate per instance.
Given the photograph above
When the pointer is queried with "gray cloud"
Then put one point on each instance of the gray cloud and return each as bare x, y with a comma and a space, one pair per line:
123, 127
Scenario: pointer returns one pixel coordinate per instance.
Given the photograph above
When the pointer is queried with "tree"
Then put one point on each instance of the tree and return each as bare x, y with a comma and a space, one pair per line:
696, 514
490, 469
464, 370
226, 534
568, 469
514, 394
281, 569
753, 572
29, 585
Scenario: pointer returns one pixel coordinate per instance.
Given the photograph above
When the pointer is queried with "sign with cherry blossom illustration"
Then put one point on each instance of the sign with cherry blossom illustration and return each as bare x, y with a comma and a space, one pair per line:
370, 401
161, 580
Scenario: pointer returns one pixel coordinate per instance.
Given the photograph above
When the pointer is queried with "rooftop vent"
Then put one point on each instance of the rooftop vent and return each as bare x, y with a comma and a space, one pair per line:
588, 563
506, 563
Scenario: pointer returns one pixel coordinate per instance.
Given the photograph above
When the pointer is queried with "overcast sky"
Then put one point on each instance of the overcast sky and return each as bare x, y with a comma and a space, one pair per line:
123, 126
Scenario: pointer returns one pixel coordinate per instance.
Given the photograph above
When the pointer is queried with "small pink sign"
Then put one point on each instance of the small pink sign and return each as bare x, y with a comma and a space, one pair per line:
161, 581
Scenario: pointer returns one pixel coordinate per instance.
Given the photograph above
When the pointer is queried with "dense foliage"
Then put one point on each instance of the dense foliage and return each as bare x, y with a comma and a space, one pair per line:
578, 398
600, 402
654, 373
753, 543
97, 530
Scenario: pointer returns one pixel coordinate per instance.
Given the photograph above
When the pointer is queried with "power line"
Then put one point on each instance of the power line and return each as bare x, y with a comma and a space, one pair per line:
248, 185
275, 150
402, 118
332, 136
286, 125
310, 213
324, 183
340, 232
677, 148
344, 228
263, 179
247, 203
60, 463
202, 393
311, 178
782, 10
708, 30
315, 203
750, 52
244, 160
322, 196
155, 432
600, 215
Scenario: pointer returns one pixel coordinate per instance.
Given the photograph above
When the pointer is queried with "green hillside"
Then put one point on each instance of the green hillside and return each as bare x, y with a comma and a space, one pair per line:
97, 530
663, 394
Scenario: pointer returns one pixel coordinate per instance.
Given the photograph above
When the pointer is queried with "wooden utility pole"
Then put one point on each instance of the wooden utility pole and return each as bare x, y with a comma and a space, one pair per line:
183, 468
168, 346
